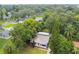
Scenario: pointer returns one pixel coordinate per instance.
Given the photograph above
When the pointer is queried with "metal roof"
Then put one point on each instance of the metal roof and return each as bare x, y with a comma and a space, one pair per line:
43, 33
5, 33
42, 38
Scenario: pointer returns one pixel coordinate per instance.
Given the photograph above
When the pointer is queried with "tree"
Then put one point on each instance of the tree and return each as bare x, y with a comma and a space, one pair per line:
69, 31
4, 11
9, 47
65, 46
57, 43
20, 32
50, 23
76, 37
33, 25
1, 15
54, 42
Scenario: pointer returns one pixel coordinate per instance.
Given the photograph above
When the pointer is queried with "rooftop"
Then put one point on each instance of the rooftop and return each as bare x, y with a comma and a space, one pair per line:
42, 38
39, 19
43, 33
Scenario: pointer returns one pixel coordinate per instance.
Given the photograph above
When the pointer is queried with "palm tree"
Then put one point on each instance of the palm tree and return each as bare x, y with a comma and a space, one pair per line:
69, 31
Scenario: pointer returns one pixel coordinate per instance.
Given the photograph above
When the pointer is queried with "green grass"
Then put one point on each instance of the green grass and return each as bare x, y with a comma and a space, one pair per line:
27, 50
1, 22
2, 43
9, 25
31, 50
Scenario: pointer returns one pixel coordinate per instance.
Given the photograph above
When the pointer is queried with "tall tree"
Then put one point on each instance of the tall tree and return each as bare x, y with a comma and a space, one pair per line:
54, 42
58, 43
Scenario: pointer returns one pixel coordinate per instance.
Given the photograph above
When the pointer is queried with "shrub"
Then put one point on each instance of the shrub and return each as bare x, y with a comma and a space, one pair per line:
76, 37
65, 46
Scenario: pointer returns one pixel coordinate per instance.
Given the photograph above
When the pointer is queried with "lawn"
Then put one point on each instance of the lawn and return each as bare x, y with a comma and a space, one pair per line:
1, 22
31, 50
9, 25
2, 42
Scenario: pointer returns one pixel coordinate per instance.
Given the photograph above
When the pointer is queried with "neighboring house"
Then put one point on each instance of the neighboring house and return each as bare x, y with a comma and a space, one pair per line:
22, 19
9, 15
5, 33
42, 39
39, 19
5, 17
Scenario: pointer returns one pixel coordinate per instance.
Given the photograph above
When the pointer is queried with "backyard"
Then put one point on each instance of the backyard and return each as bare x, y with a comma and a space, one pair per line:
31, 50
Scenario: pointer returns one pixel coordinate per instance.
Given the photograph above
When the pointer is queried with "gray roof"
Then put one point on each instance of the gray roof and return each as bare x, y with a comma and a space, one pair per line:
5, 33
22, 19
42, 38
39, 19
4, 16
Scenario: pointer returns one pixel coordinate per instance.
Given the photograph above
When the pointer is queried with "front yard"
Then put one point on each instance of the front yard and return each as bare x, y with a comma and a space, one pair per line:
31, 50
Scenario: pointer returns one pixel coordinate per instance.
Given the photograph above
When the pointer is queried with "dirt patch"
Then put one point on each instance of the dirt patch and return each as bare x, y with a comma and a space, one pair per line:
76, 43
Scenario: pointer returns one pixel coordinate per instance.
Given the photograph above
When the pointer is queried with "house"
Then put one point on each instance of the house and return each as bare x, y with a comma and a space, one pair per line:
42, 39
39, 19
22, 19
5, 33
7, 16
